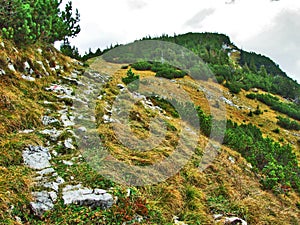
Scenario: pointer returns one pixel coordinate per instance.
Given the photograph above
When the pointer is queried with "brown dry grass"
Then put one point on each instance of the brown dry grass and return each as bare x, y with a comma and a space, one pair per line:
21, 107
191, 192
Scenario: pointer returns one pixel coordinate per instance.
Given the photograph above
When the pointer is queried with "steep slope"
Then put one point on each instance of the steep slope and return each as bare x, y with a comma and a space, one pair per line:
230, 186
40, 166
49, 108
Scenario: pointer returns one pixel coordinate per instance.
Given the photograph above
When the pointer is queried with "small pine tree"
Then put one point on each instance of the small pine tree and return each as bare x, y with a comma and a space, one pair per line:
129, 80
27, 21
73, 52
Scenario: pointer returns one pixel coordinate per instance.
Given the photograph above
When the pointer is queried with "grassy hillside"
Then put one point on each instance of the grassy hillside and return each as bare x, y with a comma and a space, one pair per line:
253, 176
207, 196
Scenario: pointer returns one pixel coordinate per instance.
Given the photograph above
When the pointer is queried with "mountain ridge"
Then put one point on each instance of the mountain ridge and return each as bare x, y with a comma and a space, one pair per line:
229, 63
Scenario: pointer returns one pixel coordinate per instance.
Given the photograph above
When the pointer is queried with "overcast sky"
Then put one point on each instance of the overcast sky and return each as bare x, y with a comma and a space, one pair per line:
267, 27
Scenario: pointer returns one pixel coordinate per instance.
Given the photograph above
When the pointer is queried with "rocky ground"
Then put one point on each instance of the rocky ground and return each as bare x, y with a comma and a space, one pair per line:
60, 125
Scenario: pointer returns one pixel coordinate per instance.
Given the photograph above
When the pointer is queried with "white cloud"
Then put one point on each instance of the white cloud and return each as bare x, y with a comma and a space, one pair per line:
196, 21
280, 41
136, 4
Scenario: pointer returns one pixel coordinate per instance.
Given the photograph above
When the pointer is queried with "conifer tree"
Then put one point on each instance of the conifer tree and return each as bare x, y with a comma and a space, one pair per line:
27, 21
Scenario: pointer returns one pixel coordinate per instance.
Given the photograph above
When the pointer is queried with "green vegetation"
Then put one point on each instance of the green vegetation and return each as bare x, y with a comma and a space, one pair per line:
206, 45
290, 109
161, 69
69, 50
277, 163
234, 88
205, 121
129, 80
26, 22
287, 123
224, 187
276, 131
238, 68
257, 62
257, 112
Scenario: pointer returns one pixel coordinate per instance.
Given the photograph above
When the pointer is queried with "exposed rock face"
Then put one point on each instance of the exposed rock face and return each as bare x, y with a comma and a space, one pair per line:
177, 222
2, 72
67, 120
228, 102
120, 86
87, 197
68, 143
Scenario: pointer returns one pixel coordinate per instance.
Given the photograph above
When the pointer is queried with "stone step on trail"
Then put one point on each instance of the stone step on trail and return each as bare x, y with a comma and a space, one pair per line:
47, 180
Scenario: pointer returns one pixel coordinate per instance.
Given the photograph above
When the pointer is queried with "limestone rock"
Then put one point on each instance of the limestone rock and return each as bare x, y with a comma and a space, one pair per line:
67, 120
43, 202
228, 102
2, 72
120, 86
28, 78
235, 220
82, 129
37, 157
177, 222
60, 89
107, 119
26, 131
27, 67
68, 143
87, 197
231, 159
47, 120
67, 163
218, 216
46, 171
11, 67
54, 185
53, 133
